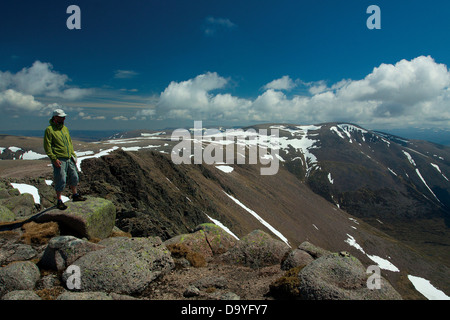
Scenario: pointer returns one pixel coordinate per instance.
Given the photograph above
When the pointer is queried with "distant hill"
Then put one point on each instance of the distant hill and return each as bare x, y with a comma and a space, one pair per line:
438, 136
431, 135
82, 135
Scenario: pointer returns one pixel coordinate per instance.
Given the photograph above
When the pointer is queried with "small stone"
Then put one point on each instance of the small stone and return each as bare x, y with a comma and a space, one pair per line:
191, 291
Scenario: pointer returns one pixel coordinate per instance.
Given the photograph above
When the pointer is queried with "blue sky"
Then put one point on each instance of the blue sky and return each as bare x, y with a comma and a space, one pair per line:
154, 64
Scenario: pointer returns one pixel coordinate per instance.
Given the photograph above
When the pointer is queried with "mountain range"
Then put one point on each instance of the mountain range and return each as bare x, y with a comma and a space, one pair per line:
384, 198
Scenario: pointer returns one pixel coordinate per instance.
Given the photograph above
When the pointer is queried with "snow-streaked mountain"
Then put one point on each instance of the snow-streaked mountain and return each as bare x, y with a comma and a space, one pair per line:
397, 185
400, 186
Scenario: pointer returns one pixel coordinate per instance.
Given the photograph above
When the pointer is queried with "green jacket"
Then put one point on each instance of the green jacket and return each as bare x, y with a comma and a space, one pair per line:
57, 142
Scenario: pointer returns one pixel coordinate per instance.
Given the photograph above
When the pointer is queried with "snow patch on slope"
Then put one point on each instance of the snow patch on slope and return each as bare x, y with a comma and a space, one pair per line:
330, 179
224, 168
439, 169
26, 188
254, 214
426, 185
410, 159
427, 289
220, 224
31, 155
382, 263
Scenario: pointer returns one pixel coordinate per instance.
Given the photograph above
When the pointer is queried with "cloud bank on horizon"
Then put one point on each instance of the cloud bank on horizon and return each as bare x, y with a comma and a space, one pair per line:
408, 93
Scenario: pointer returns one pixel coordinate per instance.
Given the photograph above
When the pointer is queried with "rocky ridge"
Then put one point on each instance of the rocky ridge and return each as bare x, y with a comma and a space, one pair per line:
49, 259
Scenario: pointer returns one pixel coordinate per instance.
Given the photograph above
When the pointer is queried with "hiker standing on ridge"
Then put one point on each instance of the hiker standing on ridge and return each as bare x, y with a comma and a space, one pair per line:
59, 148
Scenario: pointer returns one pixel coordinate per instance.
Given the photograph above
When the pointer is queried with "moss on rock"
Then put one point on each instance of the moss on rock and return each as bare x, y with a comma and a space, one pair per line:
6, 215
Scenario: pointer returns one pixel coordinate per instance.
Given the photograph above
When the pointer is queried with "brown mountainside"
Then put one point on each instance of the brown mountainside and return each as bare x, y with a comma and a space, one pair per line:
159, 198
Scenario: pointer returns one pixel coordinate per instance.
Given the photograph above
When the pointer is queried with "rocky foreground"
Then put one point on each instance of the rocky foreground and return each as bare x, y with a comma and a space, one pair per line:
78, 254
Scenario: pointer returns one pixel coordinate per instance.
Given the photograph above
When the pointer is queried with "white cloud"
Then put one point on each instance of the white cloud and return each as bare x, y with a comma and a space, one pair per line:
123, 118
41, 80
10, 100
284, 83
191, 95
16, 103
73, 93
406, 93
317, 87
406, 82
124, 74
144, 113
212, 25
24, 89
129, 90
411, 91
86, 116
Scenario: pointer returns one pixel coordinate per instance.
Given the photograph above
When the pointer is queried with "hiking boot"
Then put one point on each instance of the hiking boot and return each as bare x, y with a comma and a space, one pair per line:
77, 197
60, 205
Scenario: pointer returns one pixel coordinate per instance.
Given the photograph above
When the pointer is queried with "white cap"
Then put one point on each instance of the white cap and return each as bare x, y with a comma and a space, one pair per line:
59, 113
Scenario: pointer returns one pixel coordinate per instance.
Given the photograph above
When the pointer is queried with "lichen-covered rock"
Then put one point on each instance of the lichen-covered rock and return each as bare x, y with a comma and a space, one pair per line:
125, 266
195, 242
21, 275
93, 218
287, 286
296, 258
6, 215
7, 191
257, 250
84, 296
314, 251
21, 205
218, 239
11, 252
185, 257
21, 295
207, 240
337, 277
